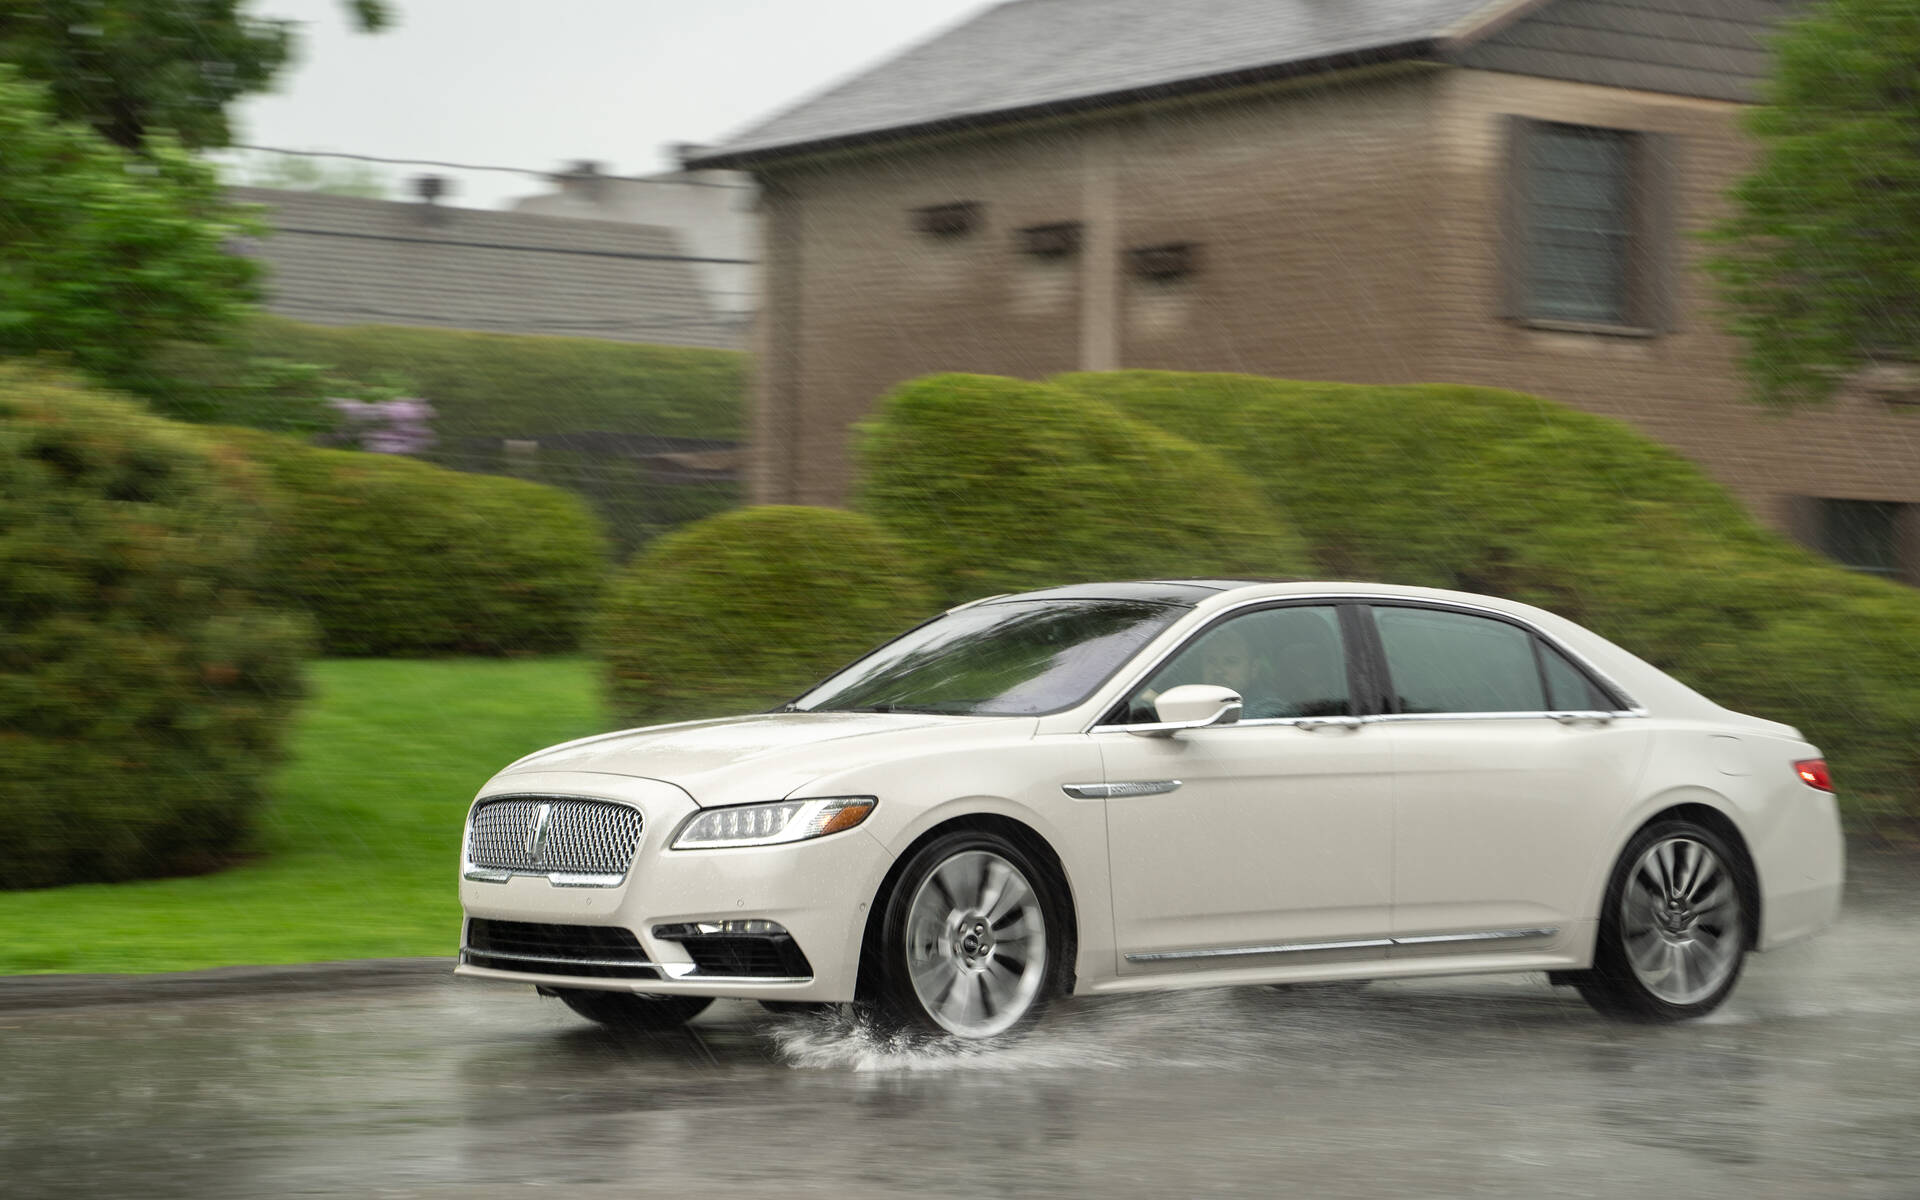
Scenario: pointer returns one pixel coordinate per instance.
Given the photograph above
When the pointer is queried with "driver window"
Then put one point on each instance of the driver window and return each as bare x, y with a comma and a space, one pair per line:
1284, 662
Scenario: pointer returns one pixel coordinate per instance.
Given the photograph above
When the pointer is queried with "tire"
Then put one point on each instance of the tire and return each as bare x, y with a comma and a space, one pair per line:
1674, 927
632, 1013
971, 941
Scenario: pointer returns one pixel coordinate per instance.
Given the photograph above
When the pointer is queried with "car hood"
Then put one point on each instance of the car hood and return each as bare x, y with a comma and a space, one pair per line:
766, 756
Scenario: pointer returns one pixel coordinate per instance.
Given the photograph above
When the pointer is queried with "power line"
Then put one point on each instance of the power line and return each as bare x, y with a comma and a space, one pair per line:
454, 166
422, 241
641, 324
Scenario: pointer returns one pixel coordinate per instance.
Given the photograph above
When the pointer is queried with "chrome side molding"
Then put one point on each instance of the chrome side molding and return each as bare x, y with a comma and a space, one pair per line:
1485, 935
1111, 791
1244, 951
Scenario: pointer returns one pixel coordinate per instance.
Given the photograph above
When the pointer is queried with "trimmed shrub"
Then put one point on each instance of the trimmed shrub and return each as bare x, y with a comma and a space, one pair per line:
144, 684
510, 385
998, 485
1517, 496
748, 609
490, 386
396, 557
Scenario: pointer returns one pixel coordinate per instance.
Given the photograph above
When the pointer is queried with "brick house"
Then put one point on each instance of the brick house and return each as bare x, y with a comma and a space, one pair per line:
1497, 192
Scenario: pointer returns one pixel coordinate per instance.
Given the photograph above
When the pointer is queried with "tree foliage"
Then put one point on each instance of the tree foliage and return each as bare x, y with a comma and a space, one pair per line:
1819, 265
132, 68
107, 256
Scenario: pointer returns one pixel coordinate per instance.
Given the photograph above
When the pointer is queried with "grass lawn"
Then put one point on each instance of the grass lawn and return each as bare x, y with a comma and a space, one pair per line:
359, 842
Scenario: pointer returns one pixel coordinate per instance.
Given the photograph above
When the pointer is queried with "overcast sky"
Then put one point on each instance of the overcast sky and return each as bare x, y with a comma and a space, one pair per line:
532, 83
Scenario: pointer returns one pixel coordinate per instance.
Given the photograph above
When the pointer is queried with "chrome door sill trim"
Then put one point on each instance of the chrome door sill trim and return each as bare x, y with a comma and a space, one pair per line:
1489, 935
1240, 951
1113, 791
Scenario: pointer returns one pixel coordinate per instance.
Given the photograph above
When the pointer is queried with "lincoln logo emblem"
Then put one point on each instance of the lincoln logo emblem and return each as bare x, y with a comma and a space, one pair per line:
537, 836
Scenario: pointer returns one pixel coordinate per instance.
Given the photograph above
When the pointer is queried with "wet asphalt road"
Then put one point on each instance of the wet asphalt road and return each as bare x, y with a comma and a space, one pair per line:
1806, 1085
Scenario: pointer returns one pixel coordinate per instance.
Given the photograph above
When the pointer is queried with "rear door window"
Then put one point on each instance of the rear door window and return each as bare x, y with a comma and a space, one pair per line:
1449, 662
1568, 688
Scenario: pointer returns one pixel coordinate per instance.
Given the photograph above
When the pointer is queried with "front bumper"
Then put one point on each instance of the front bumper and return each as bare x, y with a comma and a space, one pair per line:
819, 891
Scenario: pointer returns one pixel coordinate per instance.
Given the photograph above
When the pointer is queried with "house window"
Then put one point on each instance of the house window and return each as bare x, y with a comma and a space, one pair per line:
1586, 235
1863, 535
1579, 223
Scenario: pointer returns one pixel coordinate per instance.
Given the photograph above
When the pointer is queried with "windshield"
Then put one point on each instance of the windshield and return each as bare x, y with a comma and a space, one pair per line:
1012, 658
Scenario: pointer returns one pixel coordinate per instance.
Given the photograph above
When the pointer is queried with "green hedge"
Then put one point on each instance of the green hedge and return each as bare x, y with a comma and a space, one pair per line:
489, 386
998, 485
747, 609
393, 556
508, 385
145, 685
1513, 495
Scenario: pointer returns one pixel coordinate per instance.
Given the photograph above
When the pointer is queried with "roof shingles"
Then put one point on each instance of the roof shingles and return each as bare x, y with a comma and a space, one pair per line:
339, 260
1028, 54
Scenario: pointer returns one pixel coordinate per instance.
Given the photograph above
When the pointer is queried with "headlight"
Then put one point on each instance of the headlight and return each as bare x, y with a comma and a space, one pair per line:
772, 824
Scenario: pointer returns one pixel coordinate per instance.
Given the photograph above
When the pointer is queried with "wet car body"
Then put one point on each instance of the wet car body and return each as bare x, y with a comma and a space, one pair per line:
1413, 811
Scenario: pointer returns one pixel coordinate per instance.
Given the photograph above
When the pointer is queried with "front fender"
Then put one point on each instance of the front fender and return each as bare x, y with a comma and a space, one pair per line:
1019, 781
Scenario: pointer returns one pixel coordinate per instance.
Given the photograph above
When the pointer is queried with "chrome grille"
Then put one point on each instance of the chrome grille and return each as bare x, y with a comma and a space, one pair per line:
541, 835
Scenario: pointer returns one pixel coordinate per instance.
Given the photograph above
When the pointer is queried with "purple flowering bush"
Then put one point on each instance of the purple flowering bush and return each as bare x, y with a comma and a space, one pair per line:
396, 426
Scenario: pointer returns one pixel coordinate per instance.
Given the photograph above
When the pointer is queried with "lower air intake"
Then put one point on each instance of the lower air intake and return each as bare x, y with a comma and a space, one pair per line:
592, 951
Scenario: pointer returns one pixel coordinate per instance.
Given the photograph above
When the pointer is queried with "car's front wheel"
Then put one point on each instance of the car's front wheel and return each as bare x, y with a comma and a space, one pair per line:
1674, 928
629, 1012
968, 939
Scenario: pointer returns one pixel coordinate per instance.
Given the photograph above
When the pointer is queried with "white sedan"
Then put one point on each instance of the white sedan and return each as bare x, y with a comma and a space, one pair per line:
1134, 786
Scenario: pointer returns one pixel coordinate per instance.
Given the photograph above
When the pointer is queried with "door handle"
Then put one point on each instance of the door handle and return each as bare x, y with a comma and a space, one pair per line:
1313, 723
1575, 718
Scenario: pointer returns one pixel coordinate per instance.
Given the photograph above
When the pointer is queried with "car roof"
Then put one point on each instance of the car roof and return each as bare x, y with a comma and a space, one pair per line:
1183, 592
1191, 592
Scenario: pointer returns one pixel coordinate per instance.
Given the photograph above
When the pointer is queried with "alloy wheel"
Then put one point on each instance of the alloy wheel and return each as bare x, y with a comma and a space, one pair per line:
976, 944
1680, 921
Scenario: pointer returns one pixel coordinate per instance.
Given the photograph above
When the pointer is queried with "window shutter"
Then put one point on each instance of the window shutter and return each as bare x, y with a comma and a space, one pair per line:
1656, 248
1514, 216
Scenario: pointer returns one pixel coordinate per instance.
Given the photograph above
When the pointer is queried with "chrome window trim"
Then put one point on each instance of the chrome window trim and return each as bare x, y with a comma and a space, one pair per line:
564, 879
1430, 939
1632, 709
1565, 718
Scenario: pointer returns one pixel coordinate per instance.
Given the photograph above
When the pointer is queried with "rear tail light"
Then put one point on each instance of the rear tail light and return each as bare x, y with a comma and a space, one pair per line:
1813, 772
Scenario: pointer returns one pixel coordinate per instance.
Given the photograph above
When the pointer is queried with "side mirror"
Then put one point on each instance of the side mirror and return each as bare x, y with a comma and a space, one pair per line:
1191, 706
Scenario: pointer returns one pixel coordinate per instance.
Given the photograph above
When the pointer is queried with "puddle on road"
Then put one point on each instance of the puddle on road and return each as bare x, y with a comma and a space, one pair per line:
1185, 1029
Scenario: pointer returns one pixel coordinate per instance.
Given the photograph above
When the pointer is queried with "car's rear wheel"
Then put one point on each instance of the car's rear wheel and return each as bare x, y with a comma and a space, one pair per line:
627, 1011
1674, 928
968, 939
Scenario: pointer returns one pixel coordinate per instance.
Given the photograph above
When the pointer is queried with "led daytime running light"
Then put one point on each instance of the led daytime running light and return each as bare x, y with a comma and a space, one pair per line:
772, 824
